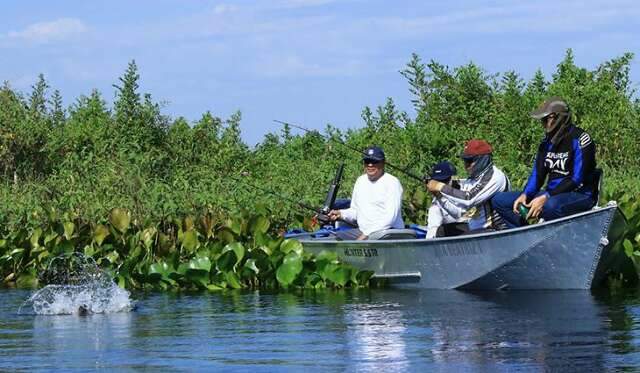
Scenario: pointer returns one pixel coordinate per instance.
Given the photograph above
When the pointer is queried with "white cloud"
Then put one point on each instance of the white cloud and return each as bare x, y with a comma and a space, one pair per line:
45, 32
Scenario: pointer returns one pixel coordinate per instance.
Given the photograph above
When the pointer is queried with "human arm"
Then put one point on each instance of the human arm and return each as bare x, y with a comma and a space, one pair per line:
538, 173
490, 183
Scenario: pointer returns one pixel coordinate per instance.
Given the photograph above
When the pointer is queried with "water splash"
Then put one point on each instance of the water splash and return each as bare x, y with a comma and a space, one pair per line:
76, 285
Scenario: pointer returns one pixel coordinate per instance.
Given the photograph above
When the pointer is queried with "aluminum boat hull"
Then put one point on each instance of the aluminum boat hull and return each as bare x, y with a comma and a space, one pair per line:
562, 254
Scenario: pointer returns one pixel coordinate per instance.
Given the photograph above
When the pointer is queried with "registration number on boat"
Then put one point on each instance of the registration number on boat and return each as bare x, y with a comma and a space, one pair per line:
366, 252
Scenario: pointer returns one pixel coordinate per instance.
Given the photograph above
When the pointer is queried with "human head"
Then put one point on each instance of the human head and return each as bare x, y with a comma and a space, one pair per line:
373, 159
443, 171
477, 156
552, 113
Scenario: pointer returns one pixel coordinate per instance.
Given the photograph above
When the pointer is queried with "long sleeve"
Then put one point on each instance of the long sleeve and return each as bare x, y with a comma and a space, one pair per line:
491, 182
538, 173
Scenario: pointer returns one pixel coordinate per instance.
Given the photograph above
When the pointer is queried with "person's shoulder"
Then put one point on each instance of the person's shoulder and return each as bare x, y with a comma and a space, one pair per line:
581, 136
361, 179
390, 178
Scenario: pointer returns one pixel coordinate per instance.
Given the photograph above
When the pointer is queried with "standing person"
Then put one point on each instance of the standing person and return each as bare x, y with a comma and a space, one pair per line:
475, 193
376, 200
566, 159
444, 218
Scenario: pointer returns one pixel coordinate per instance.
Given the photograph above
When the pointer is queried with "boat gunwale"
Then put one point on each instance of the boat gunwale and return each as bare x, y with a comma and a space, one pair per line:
511, 231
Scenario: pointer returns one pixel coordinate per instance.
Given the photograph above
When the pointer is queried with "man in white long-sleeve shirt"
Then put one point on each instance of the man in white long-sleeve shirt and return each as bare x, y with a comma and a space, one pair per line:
376, 200
473, 199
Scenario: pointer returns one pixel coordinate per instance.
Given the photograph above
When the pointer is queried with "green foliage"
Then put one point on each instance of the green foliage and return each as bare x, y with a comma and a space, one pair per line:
89, 158
237, 253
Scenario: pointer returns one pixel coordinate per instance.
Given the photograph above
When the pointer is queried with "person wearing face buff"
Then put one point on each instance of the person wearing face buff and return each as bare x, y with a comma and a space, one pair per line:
472, 200
566, 160
376, 200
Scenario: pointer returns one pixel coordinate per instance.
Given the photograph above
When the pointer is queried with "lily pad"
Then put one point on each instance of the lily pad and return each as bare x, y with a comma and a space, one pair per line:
100, 233
291, 245
120, 219
289, 269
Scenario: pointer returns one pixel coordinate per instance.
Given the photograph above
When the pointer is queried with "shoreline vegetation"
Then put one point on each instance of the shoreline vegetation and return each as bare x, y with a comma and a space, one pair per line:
160, 203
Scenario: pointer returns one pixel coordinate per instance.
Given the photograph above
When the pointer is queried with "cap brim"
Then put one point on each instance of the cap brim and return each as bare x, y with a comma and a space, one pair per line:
540, 113
441, 177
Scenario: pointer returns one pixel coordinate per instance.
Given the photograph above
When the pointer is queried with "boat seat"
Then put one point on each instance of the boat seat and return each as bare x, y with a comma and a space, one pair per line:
393, 234
597, 185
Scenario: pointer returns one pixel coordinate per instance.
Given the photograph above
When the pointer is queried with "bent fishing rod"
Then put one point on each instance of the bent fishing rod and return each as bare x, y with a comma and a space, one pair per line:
322, 213
403, 170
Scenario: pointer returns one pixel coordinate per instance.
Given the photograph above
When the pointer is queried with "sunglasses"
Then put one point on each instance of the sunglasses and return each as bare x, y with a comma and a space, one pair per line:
468, 161
544, 120
371, 161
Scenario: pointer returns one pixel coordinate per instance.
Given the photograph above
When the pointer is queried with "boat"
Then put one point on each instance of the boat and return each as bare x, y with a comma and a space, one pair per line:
574, 252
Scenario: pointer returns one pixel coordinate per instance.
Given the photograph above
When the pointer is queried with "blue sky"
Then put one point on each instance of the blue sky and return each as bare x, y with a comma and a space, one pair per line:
310, 62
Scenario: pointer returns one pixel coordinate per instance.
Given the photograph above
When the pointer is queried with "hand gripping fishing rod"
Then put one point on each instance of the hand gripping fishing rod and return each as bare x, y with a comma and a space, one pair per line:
321, 213
403, 170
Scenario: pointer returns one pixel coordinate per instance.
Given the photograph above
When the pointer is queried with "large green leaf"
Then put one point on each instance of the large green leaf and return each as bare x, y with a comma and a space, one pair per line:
289, 269
251, 265
69, 228
35, 237
237, 248
100, 233
340, 275
291, 245
120, 219
148, 237
201, 263
628, 248
259, 225
226, 261
190, 240
232, 280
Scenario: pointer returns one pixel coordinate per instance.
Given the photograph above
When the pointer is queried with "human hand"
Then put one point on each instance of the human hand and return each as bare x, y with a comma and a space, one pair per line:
362, 237
335, 215
435, 186
536, 205
521, 200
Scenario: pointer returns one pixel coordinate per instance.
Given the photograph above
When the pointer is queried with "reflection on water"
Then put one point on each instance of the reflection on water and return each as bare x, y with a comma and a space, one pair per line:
368, 330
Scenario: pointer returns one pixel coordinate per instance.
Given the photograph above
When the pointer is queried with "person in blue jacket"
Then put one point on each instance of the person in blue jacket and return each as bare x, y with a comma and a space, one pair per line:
566, 160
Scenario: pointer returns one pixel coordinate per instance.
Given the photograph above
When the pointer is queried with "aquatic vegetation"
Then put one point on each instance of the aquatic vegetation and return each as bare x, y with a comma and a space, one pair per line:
76, 285
204, 252
177, 187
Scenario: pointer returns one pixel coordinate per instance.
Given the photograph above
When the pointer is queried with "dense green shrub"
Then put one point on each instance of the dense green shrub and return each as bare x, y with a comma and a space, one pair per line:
89, 158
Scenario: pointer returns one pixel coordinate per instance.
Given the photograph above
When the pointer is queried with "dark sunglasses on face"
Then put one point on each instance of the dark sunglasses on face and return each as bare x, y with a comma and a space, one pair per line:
370, 161
544, 120
468, 161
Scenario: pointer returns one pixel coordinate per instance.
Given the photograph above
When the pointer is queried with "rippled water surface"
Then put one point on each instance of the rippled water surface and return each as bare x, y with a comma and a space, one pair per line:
386, 330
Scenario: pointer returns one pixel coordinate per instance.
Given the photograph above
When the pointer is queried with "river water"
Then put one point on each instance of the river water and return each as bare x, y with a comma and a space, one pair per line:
364, 330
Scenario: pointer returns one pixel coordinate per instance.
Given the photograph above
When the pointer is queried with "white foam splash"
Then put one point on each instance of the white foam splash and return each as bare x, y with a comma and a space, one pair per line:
86, 290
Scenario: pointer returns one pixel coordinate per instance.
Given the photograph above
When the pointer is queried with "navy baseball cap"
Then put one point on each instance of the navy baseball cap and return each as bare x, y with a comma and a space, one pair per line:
442, 171
373, 153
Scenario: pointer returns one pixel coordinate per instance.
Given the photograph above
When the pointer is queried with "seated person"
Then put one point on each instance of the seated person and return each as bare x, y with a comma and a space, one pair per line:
444, 219
474, 195
376, 200
566, 159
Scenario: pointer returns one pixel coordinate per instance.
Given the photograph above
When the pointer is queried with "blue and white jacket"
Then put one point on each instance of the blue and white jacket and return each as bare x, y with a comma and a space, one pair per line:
567, 167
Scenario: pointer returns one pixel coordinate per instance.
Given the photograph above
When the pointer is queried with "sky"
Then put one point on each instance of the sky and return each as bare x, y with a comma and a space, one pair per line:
310, 62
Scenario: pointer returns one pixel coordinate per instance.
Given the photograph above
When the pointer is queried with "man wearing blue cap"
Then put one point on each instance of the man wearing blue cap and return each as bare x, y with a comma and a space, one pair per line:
376, 200
442, 217
474, 195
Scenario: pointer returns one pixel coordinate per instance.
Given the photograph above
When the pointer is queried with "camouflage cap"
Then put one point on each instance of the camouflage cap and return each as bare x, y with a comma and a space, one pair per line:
552, 105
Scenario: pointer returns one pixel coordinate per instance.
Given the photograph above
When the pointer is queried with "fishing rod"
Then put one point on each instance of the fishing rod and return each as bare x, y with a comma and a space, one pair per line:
403, 170
322, 213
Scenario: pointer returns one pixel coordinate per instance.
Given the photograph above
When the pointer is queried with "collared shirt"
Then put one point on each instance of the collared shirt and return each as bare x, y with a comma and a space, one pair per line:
376, 205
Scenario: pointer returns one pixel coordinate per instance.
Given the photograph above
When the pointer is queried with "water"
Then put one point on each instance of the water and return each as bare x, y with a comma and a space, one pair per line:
366, 330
